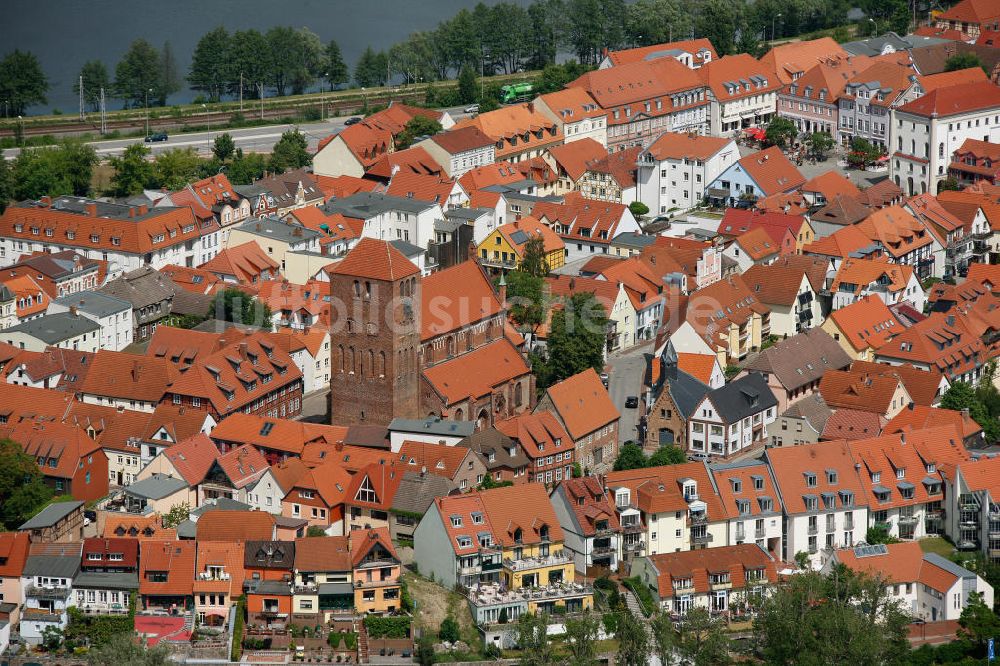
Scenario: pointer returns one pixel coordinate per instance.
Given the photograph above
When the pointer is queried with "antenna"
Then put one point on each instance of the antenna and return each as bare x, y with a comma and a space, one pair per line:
104, 114
81, 98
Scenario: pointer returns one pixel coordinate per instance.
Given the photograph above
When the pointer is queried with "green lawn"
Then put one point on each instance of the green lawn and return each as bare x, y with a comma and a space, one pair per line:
937, 545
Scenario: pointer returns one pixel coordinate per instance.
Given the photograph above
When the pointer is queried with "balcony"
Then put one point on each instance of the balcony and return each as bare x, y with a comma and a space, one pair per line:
698, 519
605, 532
529, 563
741, 535
492, 594
812, 529
46, 592
759, 533
631, 528
598, 551
635, 546
907, 520
498, 262
701, 537
470, 571
385, 582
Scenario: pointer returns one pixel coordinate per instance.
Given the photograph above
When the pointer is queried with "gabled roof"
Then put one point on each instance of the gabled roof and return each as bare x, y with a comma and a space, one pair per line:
697, 48
322, 554
455, 298
858, 390
618, 166
801, 359
866, 272
383, 479
843, 210
971, 11
779, 283
789, 465
919, 417
772, 171
361, 543
742, 397
236, 526
128, 376
417, 491
13, 553
377, 260
246, 263
713, 308
738, 76
589, 504
738, 483
573, 157
422, 187
680, 145
582, 403
831, 184
192, 458
439, 459
637, 82
798, 57
539, 434
698, 566
661, 489
476, 373
269, 554
924, 386
943, 341
462, 140
956, 99
867, 323
174, 558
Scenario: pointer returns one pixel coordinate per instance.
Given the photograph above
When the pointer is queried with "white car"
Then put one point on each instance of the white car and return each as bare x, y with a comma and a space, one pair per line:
472, 109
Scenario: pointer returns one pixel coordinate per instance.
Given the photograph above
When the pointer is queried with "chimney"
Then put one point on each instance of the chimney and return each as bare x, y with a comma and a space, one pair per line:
243, 350
131, 211
90, 208
143, 209
73, 310
46, 200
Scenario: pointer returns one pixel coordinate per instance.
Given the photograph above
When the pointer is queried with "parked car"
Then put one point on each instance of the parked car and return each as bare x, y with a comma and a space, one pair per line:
698, 457
159, 136
631, 402
472, 109
604, 379
353, 120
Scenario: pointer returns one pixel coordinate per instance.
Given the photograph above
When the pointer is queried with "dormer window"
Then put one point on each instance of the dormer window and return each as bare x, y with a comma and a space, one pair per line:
831, 476
518, 535
758, 482
810, 479
543, 533
737, 485
876, 477
901, 473
456, 521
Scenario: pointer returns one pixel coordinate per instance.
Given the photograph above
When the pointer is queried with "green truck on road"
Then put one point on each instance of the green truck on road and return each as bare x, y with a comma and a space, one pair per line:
516, 92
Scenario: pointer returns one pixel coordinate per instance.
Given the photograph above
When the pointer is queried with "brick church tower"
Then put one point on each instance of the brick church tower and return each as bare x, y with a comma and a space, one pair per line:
374, 335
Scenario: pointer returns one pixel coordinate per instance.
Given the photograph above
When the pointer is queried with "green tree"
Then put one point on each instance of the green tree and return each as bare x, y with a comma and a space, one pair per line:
240, 308
978, 622
425, 650
95, 77
879, 534
532, 638
966, 60
533, 261
177, 514
555, 77
283, 57
133, 172
247, 61
169, 80
718, 20
638, 209
370, 69
780, 132
657, 21
581, 635
22, 81
664, 637
547, 19
224, 147
209, 63
468, 87
820, 143
592, 26
666, 455
52, 637
949, 183
291, 152
633, 641
123, 650
863, 153
336, 69
66, 169
315, 531
842, 618
576, 340
175, 168
449, 631
702, 640
630, 457
22, 489
962, 395
6, 185
525, 299
137, 75
417, 126
246, 168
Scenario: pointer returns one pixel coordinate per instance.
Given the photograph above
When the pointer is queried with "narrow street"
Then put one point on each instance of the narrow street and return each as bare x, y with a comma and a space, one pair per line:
625, 377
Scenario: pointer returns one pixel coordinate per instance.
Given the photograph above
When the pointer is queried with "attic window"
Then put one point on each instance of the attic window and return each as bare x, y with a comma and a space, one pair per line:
456, 521
265, 429
477, 518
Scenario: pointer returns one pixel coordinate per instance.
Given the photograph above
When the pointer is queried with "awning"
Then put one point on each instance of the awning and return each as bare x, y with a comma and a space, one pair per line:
334, 588
756, 133
718, 192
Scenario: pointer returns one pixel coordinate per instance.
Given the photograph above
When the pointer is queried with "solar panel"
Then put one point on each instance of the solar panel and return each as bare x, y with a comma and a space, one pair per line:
519, 237
871, 550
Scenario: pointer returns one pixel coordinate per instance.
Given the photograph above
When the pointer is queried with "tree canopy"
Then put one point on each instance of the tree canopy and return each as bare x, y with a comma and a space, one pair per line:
22, 81
631, 456
780, 132
22, 489
240, 308
576, 340
139, 75
966, 60
64, 169
418, 126
291, 152
982, 401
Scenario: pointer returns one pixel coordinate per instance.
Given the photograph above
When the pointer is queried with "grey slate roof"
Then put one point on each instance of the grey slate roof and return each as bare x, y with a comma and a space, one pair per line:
51, 515
272, 227
465, 213
156, 487
948, 565
273, 554
366, 205
686, 390
408, 249
221, 504
813, 409
108, 581
801, 359
743, 397
434, 425
187, 529
142, 287
490, 440
874, 45
94, 303
634, 239
55, 328
58, 566
275, 587
417, 491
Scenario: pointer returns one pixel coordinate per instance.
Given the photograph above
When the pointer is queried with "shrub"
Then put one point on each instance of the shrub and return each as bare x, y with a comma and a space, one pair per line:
388, 627
449, 630
642, 593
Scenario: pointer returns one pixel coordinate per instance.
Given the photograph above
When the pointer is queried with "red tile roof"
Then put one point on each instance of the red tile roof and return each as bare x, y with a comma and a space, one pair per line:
918, 417
524, 507
695, 47
193, 457
830, 184
247, 263
174, 558
595, 506
799, 57
923, 386
236, 526
275, 434
758, 244
195, 280
850, 424
867, 323
375, 259
218, 553
720, 75
454, 298
384, 481
772, 171
475, 374
865, 272
539, 434
13, 553
102, 548
341, 187
582, 403
971, 11
789, 466
943, 341
698, 566
462, 139
128, 376
361, 542
639, 83
573, 157
135, 526
415, 160
954, 100
529, 128
680, 145
422, 187
853, 389
439, 459
316, 554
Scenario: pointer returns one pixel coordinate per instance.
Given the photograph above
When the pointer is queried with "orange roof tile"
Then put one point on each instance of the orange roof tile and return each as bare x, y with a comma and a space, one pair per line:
582, 403
923, 386
571, 105
475, 374
462, 140
638, 83
316, 554
931, 82
247, 263
901, 564
193, 457
699, 565
865, 272
219, 552
439, 459
698, 48
176, 559
341, 187
699, 366
375, 259
31, 297
539, 434
830, 184
720, 75
660, 489
551, 241
789, 465
455, 298
422, 187
135, 526
971, 11
867, 323
858, 390
384, 481
798, 57
772, 171
236, 526
518, 121
414, 159
361, 542
680, 145
918, 417
128, 376
758, 244
955, 99
574, 156
13, 553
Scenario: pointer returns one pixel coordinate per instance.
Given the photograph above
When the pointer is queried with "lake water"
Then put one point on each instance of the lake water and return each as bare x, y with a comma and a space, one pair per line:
66, 33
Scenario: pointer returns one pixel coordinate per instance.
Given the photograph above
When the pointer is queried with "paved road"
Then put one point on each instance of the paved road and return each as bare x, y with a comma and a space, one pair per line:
250, 139
624, 379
